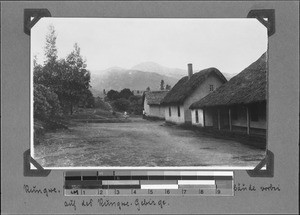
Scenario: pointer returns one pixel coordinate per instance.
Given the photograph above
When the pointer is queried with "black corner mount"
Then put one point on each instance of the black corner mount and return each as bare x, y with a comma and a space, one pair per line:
39, 171
32, 16
266, 17
268, 161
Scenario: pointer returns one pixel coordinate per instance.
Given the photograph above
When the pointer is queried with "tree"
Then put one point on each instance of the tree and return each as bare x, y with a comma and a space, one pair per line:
76, 77
48, 73
168, 87
125, 93
50, 47
134, 99
121, 104
162, 85
87, 99
67, 78
148, 89
113, 95
136, 105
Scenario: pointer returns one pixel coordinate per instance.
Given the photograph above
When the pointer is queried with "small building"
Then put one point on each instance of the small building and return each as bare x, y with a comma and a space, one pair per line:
152, 104
239, 104
188, 90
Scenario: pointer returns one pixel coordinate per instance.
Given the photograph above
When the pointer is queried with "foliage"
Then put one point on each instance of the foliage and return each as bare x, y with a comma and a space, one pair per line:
168, 87
46, 104
90, 100
125, 101
50, 47
99, 103
87, 100
125, 93
148, 89
77, 78
134, 99
121, 104
113, 95
68, 78
162, 85
136, 105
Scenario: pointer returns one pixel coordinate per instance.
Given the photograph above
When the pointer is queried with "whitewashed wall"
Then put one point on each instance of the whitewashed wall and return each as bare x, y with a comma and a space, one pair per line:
146, 107
199, 93
157, 111
174, 114
200, 117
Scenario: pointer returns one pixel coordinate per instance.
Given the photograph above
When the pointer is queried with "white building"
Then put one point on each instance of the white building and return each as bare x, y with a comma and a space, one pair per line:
188, 90
239, 105
152, 106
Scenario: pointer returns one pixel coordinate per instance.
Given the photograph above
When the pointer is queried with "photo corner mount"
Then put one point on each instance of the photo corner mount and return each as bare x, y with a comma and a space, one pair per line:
32, 16
265, 17
268, 161
39, 171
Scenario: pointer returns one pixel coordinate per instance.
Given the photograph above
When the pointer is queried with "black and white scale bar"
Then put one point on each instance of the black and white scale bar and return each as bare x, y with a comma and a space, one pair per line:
147, 182
143, 177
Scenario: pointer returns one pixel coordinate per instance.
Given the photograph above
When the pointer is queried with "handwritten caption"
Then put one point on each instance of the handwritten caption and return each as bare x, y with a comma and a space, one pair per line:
240, 187
108, 203
46, 191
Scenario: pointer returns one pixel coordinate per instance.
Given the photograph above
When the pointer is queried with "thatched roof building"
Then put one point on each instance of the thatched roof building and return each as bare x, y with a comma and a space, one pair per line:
249, 86
185, 86
154, 97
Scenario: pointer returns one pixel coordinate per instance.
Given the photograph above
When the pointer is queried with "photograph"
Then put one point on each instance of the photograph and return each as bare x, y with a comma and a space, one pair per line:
185, 93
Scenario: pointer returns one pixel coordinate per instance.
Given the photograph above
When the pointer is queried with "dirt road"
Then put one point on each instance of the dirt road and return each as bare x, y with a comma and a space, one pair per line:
140, 143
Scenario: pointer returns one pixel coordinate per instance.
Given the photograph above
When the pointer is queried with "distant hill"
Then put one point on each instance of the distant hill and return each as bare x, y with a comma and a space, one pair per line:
118, 79
139, 77
159, 69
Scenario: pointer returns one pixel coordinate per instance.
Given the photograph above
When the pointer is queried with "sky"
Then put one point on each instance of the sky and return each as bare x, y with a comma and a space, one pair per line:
227, 44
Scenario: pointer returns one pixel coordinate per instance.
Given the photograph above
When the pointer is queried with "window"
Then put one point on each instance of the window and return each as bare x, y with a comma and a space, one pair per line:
169, 111
211, 87
178, 110
197, 117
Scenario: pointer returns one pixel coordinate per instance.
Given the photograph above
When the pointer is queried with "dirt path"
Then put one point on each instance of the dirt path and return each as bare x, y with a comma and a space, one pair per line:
140, 143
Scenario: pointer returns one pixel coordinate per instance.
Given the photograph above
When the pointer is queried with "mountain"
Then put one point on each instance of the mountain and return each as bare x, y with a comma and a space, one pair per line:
138, 77
118, 79
159, 69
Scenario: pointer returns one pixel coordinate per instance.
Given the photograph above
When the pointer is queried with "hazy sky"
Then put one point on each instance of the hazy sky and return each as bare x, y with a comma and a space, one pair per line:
227, 44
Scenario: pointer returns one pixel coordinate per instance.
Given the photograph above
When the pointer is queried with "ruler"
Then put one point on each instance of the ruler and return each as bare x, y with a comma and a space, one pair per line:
148, 183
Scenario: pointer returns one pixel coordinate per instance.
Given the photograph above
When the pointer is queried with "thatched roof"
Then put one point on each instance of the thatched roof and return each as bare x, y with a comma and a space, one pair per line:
185, 87
247, 87
154, 97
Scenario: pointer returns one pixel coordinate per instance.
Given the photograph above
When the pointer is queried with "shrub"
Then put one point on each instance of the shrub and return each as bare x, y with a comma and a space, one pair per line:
46, 103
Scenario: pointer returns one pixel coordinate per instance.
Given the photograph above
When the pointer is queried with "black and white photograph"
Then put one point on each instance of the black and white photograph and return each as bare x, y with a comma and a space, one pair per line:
149, 93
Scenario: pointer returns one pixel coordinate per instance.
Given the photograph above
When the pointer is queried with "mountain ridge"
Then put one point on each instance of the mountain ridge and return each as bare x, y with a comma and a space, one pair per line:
139, 77
132, 79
